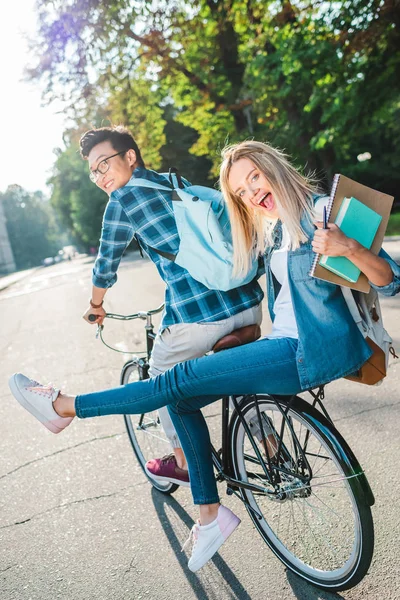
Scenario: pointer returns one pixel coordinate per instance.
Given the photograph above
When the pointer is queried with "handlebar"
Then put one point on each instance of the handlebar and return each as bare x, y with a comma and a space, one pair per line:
144, 315
139, 315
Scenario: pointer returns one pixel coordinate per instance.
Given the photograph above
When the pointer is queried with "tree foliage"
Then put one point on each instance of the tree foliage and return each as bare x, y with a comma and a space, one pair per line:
79, 203
319, 79
32, 228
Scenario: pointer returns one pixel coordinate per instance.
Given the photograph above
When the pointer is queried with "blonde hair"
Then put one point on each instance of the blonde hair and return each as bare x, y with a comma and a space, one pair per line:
251, 231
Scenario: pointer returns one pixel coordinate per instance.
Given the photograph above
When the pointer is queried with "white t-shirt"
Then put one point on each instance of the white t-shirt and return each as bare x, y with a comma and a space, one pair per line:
284, 324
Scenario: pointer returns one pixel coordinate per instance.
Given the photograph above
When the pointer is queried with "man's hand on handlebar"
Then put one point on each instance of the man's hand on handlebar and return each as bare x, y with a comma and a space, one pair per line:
99, 313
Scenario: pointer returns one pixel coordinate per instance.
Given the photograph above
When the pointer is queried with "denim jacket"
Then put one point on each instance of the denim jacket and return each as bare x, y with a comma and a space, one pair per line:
330, 343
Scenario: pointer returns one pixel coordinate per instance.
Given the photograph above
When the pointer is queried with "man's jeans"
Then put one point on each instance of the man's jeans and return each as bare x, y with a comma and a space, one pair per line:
185, 341
265, 366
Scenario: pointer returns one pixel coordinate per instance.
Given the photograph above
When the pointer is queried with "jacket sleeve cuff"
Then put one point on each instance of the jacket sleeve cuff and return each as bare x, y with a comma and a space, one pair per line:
392, 288
102, 282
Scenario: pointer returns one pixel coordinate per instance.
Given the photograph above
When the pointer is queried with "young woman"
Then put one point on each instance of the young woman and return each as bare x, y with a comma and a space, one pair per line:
313, 341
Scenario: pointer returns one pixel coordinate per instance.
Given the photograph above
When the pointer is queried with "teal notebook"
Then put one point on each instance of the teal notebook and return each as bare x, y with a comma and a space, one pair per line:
359, 222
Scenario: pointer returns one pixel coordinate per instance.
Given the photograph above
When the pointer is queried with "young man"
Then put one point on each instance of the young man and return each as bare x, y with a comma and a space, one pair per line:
195, 318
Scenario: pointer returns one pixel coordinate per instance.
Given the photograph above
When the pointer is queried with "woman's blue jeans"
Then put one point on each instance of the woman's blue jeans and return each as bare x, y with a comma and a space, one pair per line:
266, 366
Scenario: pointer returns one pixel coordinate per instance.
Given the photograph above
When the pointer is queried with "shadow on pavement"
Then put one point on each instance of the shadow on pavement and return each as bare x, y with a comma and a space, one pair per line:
304, 591
177, 523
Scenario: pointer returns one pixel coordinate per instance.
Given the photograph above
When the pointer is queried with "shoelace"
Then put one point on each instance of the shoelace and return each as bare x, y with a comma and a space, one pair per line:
167, 459
193, 536
43, 390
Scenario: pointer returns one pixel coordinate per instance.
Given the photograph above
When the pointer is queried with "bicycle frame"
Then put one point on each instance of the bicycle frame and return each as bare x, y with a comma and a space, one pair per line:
224, 469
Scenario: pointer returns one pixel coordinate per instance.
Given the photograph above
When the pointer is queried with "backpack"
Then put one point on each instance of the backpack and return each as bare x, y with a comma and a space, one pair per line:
205, 246
367, 314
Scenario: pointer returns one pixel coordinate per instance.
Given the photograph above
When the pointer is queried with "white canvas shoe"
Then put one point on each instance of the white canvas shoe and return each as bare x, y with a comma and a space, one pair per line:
38, 400
207, 539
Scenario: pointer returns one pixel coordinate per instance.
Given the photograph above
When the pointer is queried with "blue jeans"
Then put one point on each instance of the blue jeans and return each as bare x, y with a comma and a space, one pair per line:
265, 366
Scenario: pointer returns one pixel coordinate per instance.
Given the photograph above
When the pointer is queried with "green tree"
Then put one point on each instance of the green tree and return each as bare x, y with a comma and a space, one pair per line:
78, 202
91, 55
318, 79
179, 139
32, 227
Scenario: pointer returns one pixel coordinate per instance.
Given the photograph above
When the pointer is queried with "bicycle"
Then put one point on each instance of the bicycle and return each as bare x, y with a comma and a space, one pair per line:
310, 501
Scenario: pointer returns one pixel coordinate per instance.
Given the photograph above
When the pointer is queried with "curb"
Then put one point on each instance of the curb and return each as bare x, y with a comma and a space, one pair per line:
8, 280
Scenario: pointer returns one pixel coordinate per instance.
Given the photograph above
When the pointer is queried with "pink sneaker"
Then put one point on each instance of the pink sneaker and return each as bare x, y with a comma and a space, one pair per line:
38, 400
208, 539
166, 469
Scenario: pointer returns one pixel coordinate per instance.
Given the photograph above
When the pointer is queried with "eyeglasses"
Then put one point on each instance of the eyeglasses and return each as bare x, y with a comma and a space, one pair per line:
103, 167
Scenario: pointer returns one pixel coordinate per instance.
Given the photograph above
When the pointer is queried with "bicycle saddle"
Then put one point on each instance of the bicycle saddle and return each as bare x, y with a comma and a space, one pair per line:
238, 337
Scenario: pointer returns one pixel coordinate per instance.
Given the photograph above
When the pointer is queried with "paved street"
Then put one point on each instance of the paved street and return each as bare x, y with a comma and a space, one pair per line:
78, 519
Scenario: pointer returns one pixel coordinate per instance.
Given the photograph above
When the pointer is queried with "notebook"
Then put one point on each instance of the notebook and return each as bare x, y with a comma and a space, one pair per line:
359, 222
344, 187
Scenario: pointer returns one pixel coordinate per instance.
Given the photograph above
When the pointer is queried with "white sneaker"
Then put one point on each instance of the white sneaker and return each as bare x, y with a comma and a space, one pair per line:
207, 539
38, 400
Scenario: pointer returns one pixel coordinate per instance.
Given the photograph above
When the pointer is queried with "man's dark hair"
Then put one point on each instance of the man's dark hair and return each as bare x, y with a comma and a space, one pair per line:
121, 140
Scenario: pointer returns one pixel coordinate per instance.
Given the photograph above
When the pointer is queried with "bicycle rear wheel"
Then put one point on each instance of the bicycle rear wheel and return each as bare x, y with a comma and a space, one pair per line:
145, 432
316, 518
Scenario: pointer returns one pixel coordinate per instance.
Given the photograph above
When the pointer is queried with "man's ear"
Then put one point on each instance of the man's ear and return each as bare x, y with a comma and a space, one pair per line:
131, 154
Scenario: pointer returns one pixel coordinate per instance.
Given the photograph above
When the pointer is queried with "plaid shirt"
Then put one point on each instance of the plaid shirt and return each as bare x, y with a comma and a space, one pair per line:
148, 215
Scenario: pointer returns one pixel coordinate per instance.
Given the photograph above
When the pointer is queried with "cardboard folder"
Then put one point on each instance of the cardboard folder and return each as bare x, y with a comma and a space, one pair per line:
379, 202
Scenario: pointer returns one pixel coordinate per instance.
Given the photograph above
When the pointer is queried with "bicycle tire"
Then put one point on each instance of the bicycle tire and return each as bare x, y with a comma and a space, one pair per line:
319, 565
145, 439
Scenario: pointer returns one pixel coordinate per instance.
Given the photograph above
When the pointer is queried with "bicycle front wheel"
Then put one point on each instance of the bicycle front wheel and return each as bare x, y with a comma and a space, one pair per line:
313, 515
145, 432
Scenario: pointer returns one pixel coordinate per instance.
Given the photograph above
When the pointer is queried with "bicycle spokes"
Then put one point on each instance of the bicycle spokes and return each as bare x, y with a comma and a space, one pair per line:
310, 517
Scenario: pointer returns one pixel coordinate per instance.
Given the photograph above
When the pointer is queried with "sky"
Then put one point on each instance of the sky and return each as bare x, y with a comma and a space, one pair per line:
29, 131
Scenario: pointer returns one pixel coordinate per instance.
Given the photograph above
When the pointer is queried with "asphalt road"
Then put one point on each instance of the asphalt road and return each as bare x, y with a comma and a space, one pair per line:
78, 519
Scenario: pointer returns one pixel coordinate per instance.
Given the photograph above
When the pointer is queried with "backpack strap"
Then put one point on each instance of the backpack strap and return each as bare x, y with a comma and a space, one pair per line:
175, 178
177, 183
354, 310
167, 255
140, 182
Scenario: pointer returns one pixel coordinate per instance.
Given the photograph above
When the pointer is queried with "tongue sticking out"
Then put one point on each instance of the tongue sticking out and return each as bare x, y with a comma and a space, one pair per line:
265, 202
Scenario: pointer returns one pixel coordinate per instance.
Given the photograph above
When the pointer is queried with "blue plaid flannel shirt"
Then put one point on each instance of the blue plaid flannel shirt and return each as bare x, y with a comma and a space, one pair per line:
148, 215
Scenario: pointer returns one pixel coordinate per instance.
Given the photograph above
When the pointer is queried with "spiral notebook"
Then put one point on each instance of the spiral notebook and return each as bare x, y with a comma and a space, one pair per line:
343, 187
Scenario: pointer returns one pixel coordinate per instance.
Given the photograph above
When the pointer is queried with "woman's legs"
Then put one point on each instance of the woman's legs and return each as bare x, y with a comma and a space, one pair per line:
268, 365
200, 462
265, 366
